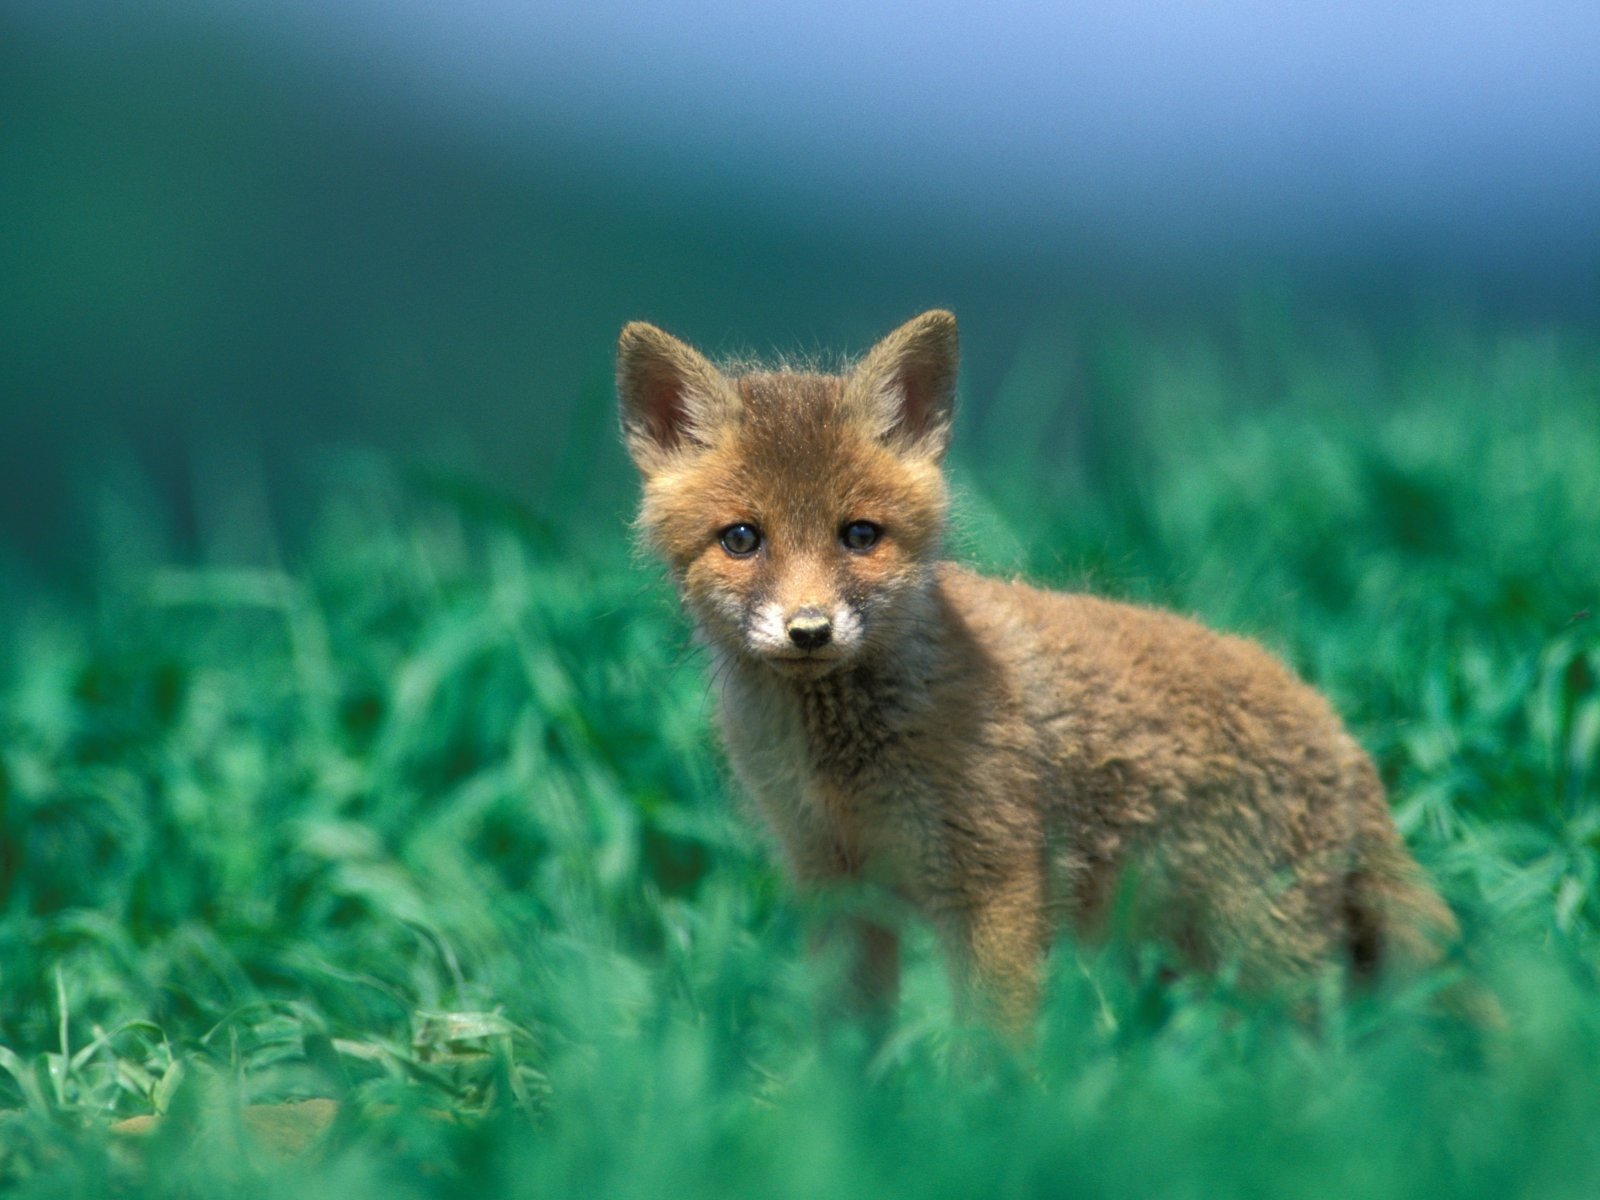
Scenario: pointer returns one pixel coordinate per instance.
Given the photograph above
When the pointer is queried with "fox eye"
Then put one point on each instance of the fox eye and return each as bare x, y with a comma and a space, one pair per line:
741, 540
860, 535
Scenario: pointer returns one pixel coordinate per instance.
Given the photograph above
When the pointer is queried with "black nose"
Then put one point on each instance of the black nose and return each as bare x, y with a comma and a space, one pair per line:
809, 629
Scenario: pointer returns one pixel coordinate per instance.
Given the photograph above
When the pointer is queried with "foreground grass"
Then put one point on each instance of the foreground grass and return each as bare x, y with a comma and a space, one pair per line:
428, 823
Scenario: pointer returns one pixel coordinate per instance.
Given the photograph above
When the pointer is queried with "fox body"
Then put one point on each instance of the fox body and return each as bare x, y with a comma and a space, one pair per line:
1008, 760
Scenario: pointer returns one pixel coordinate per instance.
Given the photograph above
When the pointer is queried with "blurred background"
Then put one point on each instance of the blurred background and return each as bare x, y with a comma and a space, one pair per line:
234, 236
346, 752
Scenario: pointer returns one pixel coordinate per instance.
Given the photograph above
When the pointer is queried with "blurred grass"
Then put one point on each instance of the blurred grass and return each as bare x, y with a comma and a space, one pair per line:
427, 819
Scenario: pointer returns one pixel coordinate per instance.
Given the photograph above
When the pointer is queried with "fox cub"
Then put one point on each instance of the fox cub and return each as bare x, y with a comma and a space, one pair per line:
1002, 758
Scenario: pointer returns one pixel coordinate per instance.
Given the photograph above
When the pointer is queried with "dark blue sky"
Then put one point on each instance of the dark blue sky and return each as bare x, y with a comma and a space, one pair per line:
1238, 122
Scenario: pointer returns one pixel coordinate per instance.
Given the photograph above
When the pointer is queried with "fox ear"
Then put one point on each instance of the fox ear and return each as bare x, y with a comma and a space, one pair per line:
672, 399
907, 383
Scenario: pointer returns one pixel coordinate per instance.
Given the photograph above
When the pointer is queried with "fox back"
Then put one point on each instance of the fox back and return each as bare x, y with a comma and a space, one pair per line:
1010, 761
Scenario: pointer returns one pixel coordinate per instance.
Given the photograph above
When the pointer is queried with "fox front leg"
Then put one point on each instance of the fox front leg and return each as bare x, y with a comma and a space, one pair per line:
857, 949
997, 943
865, 954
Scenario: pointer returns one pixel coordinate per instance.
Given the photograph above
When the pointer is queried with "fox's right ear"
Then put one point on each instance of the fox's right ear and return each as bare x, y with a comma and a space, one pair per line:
672, 399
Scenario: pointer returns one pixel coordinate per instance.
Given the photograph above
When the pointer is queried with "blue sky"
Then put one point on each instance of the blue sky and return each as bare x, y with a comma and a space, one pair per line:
1241, 118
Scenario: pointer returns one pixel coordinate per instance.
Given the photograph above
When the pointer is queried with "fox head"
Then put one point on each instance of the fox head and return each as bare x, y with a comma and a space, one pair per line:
800, 514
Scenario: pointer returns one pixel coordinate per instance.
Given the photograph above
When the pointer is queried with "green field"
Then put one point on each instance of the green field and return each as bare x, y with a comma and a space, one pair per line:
426, 818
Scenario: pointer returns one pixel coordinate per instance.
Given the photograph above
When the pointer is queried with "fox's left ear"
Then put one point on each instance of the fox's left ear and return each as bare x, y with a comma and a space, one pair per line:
907, 384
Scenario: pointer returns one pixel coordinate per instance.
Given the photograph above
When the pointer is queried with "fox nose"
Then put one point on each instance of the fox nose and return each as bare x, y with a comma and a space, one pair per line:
809, 628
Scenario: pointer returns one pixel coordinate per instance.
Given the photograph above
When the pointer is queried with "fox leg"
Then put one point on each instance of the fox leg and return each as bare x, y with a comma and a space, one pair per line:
997, 946
861, 953
872, 982
866, 955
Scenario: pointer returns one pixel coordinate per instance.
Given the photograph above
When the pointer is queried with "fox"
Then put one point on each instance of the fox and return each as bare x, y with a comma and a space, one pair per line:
1006, 761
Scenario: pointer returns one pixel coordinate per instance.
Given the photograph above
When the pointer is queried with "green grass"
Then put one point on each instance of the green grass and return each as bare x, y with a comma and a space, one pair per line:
429, 820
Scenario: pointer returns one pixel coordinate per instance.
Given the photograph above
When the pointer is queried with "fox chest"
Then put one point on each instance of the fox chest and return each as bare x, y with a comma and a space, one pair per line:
843, 787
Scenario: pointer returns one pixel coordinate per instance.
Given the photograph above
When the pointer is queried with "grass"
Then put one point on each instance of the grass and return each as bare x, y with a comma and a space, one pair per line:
427, 820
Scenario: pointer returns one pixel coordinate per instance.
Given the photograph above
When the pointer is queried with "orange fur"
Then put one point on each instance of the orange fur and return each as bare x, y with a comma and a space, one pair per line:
1001, 757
